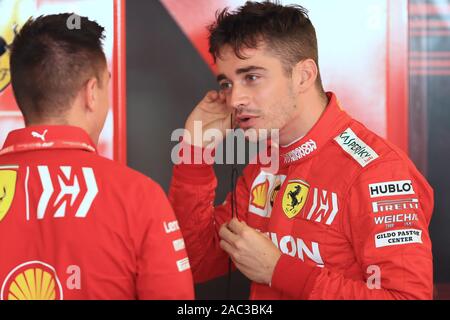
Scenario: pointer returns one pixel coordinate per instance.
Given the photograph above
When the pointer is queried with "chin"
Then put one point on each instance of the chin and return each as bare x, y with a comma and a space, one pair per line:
256, 134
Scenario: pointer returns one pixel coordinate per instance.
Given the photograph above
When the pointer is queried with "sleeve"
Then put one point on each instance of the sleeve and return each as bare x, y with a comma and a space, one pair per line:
163, 269
388, 210
192, 194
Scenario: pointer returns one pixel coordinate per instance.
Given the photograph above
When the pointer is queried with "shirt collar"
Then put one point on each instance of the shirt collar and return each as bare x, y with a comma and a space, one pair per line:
47, 137
330, 124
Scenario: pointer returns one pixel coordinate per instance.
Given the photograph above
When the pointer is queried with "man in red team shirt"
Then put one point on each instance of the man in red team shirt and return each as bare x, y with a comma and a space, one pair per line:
345, 216
74, 225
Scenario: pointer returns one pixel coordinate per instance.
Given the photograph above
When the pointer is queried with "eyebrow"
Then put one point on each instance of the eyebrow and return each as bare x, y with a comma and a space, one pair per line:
221, 76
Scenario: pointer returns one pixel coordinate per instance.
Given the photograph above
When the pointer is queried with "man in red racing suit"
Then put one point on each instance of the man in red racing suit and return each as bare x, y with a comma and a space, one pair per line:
346, 214
364, 214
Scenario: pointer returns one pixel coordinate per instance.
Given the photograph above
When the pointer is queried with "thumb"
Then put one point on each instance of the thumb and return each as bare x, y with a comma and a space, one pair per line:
211, 96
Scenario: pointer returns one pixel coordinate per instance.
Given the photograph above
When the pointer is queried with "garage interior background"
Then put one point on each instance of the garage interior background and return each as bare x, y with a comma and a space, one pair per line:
387, 60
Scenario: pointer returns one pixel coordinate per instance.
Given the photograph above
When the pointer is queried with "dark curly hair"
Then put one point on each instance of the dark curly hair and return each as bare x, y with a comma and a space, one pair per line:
286, 31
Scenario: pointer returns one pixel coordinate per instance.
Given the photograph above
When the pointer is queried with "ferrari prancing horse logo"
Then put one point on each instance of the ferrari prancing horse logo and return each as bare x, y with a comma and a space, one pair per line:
7, 190
295, 197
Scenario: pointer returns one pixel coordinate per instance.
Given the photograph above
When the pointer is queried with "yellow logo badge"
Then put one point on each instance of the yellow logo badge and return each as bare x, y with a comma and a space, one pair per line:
5, 77
295, 197
33, 280
7, 189
14, 15
259, 195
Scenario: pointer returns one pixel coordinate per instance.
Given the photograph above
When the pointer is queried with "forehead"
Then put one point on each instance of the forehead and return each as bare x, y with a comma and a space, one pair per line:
228, 61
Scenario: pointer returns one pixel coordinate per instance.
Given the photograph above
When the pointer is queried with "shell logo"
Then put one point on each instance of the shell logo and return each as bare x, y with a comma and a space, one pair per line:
32, 280
259, 195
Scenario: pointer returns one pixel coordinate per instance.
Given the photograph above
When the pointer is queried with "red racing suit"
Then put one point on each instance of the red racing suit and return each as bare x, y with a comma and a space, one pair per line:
348, 210
74, 225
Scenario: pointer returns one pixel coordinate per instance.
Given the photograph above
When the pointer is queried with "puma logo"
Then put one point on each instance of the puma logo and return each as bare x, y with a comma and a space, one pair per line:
39, 136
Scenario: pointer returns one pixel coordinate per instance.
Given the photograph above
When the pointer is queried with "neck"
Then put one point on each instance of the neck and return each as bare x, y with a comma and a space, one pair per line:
47, 122
62, 122
310, 110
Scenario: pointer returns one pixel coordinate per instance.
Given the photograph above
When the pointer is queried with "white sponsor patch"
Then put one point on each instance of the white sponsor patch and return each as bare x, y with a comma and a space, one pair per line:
171, 226
178, 244
263, 193
402, 217
398, 237
355, 147
305, 149
324, 208
391, 188
59, 198
395, 205
183, 264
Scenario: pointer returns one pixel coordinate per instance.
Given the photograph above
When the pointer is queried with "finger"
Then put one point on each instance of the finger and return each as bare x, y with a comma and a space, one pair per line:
228, 248
211, 96
222, 97
240, 267
226, 234
243, 268
236, 226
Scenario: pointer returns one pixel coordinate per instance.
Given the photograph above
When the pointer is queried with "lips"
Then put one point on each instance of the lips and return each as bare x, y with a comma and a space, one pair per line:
246, 120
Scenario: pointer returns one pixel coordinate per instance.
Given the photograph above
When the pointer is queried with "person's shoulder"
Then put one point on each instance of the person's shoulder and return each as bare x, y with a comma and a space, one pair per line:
377, 159
366, 148
116, 171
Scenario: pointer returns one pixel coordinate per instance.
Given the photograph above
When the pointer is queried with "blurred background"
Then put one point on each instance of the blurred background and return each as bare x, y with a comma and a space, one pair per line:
388, 61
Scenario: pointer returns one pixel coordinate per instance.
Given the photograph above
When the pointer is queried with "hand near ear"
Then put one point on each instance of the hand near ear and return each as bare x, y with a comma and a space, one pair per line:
212, 113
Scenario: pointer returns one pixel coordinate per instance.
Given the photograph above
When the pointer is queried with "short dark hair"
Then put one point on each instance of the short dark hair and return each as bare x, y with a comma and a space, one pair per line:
50, 63
286, 30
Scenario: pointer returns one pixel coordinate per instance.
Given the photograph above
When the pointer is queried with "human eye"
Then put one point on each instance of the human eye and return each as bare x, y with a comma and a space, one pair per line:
250, 78
225, 85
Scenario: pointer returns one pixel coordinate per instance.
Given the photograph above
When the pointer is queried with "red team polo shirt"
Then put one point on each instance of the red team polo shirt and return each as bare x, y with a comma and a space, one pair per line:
74, 225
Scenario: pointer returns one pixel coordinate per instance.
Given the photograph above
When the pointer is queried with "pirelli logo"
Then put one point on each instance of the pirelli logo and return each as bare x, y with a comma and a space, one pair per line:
395, 205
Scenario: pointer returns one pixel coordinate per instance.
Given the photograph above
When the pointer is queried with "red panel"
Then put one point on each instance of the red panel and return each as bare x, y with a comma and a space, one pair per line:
194, 18
119, 92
